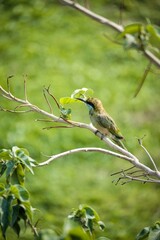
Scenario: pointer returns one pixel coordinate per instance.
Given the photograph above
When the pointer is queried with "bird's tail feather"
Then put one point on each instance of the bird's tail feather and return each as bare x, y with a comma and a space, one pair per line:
119, 143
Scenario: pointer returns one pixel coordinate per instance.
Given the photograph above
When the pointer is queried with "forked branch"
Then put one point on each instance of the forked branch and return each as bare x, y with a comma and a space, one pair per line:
24, 105
133, 174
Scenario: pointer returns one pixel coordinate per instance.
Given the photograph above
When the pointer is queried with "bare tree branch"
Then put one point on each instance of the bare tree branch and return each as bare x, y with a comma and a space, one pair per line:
102, 20
143, 170
89, 149
93, 15
47, 101
54, 118
152, 57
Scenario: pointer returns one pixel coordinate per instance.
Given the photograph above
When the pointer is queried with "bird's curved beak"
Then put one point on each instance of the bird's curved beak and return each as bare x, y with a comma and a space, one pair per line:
81, 99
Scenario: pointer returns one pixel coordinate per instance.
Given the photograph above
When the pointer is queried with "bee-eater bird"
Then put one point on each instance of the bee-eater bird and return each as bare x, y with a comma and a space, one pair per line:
102, 120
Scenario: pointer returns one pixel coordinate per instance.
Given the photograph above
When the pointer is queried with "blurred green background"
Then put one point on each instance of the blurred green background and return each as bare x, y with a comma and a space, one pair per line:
57, 46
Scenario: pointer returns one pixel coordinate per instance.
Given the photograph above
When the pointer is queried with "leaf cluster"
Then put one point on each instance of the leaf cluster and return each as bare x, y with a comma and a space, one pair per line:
141, 37
83, 93
79, 225
14, 197
150, 233
15, 202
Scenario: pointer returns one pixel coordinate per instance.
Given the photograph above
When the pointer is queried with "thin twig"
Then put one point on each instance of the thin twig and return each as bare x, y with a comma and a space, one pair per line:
86, 4
147, 70
15, 111
124, 170
44, 120
34, 229
135, 178
149, 180
8, 82
111, 39
49, 93
25, 88
47, 101
151, 159
61, 126
133, 175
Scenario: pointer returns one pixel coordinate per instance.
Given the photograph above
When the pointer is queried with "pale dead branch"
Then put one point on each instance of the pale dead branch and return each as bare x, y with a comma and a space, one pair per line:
143, 174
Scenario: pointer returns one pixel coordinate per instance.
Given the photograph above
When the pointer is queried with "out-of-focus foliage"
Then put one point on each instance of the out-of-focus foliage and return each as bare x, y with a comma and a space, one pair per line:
141, 37
150, 233
14, 198
15, 201
57, 46
79, 225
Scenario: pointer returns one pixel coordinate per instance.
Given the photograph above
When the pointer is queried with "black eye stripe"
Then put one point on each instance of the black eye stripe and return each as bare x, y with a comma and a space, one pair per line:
91, 104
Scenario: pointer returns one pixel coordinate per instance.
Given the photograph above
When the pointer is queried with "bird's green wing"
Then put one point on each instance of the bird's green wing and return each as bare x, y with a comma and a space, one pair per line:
106, 121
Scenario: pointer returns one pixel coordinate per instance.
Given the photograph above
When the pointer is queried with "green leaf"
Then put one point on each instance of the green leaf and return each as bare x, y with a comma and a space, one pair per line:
28, 210
87, 217
22, 213
131, 29
90, 212
143, 233
73, 230
21, 155
20, 192
78, 93
101, 225
67, 100
48, 234
20, 174
5, 154
6, 214
15, 213
151, 233
135, 36
154, 235
82, 93
154, 232
92, 215
15, 219
11, 165
2, 189
66, 113
16, 228
3, 168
